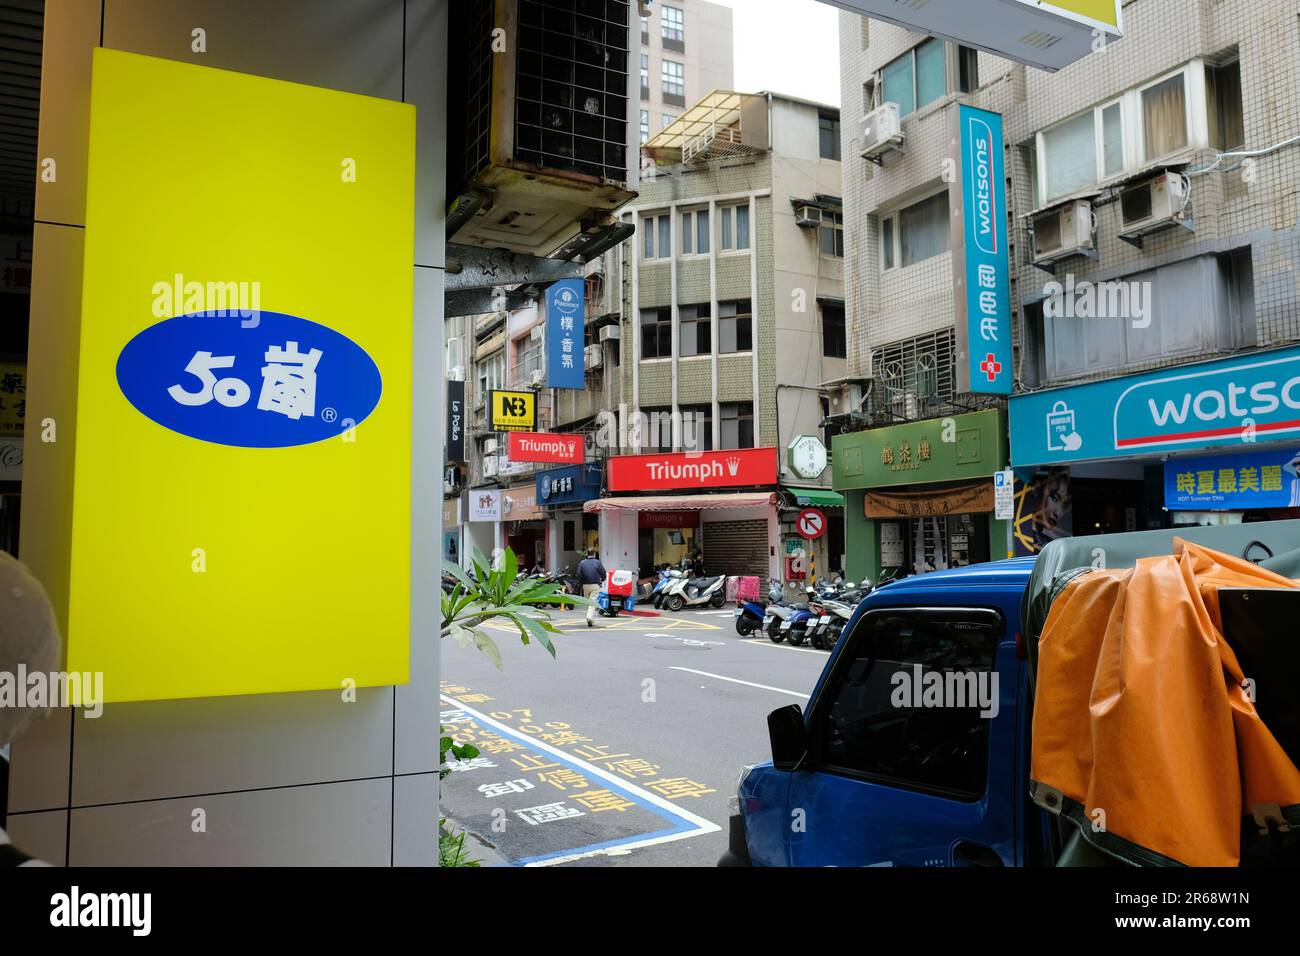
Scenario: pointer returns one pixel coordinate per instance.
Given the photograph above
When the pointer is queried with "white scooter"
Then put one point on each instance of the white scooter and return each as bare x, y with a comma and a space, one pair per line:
682, 592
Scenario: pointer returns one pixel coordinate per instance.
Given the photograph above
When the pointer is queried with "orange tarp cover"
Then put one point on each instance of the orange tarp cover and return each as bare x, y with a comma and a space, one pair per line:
1140, 709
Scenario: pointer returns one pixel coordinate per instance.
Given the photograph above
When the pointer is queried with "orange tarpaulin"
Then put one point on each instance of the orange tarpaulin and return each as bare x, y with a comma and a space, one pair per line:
1140, 709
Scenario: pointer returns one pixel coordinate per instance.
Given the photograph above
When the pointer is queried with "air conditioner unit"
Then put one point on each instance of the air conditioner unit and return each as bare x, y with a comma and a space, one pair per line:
1153, 204
611, 333
536, 333
807, 217
456, 374
489, 446
592, 357
481, 403
881, 131
530, 164
489, 467
536, 378
1062, 232
846, 399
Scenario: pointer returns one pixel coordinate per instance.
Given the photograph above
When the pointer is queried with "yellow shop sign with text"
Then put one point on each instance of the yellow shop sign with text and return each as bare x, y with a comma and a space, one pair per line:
241, 508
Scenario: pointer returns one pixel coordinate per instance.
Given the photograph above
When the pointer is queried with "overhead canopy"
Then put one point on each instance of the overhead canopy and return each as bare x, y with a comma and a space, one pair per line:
722, 123
817, 497
684, 502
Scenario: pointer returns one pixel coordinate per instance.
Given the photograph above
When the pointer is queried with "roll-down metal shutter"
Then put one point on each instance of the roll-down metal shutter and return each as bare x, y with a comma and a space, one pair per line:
736, 547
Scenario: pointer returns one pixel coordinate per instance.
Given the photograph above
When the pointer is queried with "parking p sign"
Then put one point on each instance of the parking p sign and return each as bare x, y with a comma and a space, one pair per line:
1004, 495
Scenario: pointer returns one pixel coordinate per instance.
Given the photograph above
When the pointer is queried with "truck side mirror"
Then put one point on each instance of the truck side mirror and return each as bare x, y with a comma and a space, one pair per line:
788, 736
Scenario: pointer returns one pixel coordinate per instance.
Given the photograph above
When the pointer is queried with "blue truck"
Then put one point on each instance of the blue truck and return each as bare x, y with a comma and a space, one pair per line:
868, 776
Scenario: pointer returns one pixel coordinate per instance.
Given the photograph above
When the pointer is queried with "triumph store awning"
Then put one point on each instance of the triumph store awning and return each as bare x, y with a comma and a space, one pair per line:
684, 502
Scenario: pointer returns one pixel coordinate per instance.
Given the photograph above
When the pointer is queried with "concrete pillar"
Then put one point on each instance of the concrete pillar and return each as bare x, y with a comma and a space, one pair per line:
286, 779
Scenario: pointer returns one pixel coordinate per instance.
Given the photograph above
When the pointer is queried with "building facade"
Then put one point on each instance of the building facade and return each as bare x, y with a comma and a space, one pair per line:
1149, 227
729, 317
686, 50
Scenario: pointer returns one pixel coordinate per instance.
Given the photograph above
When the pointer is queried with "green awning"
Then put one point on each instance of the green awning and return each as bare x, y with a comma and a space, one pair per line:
817, 497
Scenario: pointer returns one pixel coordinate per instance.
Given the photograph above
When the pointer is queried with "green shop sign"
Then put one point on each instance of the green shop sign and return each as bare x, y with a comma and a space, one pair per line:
940, 449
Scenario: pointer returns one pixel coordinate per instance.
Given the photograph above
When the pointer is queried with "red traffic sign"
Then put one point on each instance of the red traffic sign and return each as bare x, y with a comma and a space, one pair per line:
811, 524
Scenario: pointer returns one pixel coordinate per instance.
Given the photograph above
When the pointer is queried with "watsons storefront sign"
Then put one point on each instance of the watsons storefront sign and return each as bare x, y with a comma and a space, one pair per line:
288, 381
1237, 401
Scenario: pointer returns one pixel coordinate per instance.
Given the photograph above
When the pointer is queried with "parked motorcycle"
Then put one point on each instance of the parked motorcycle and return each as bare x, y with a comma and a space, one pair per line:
749, 615
695, 592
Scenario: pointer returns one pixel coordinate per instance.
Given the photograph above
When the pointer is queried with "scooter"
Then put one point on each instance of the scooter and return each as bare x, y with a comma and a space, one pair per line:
750, 615
618, 594
693, 592
796, 625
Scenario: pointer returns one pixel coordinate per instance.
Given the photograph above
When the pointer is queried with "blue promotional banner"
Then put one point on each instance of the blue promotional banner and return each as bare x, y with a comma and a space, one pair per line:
1236, 401
565, 331
981, 274
1264, 479
572, 484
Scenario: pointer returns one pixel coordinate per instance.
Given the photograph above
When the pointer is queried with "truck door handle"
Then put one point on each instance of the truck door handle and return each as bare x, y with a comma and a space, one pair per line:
966, 853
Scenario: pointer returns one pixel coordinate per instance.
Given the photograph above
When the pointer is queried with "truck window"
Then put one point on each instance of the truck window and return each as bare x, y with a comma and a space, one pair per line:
904, 704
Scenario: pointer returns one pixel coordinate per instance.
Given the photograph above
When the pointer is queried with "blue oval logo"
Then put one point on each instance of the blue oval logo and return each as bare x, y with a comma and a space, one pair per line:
281, 382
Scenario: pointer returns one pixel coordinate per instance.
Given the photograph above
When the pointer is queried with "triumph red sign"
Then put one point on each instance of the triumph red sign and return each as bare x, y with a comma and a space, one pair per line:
711, 469
540, 446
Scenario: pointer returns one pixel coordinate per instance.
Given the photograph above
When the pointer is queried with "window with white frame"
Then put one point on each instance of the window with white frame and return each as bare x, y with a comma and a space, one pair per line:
694, 238
645, 126
657, 333
672, 77
491, 373
670, 24
917, 77
695, 335
737, 424
1158, 120
656, 243
830, 234
915, 233
735, 326
645, 76
734, 223
666, 120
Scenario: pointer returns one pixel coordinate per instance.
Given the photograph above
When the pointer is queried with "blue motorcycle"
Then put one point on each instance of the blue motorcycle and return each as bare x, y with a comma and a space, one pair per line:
749, 615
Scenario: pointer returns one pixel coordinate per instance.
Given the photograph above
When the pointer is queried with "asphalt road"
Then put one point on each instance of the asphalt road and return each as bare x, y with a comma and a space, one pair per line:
622, 750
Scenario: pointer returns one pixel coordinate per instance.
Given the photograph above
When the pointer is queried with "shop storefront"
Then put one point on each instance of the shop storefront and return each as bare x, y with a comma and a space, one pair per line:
919, 496
524, 525
451, 532
723, 503
561, 492
821, 557
1207, 443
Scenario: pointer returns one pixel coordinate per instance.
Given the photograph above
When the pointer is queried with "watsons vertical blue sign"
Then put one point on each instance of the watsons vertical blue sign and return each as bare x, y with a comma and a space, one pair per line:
565, 331
981, 274
1241, 400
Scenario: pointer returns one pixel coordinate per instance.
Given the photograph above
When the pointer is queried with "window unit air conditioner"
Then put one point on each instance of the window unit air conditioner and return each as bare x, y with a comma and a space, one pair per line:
536, 332
611, 333
489, 446
536, 378
592, 357
456, 374
1154, 204
807, 217
881, 131
846, 399
1063, 232
489, 467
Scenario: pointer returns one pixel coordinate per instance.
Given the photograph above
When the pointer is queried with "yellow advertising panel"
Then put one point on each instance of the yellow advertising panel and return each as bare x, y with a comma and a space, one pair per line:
242, 491
1103, 12
513, 411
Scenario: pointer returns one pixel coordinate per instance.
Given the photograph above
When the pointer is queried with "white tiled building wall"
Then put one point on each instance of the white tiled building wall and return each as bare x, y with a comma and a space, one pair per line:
1160, 35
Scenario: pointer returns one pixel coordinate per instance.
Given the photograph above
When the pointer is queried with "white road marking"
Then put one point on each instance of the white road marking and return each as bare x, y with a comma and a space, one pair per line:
786, 647
737, 680
705, 826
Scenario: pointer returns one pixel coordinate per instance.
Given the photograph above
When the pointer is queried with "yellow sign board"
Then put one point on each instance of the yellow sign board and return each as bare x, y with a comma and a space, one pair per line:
513, 411
241, 511
1100, 12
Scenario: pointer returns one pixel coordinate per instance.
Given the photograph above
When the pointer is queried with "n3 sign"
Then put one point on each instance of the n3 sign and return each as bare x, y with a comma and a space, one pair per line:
811, 524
